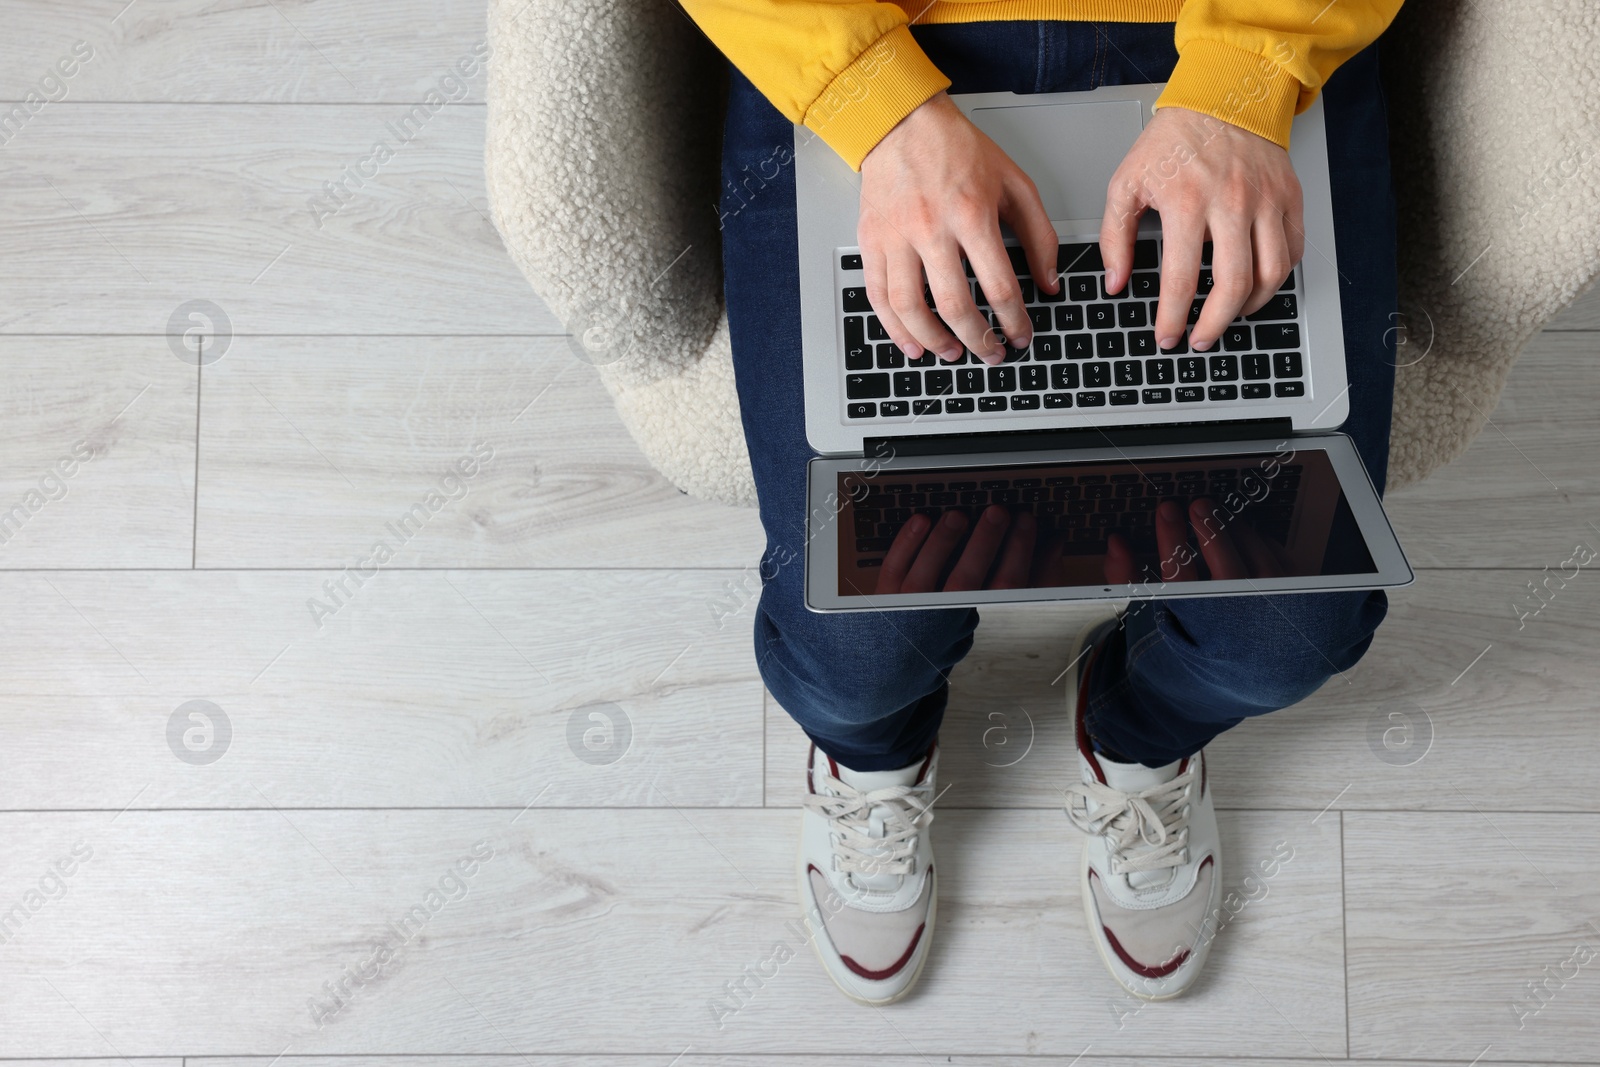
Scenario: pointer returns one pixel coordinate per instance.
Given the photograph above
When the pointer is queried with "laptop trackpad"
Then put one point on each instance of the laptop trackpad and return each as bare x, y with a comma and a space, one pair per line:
1069, 150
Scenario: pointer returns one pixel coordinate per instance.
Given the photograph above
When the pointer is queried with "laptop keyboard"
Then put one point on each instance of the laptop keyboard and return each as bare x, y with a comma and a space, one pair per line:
1091, 349
1084, 509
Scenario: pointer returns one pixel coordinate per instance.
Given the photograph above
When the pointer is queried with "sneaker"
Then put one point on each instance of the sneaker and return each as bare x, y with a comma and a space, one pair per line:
866, 874
1151, 877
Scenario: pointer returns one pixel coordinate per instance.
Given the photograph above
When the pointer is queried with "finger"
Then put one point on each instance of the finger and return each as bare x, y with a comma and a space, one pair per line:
875, 263
1024, 212
1216, 542
1016, 561
987, 254
897, 561
905, 297
946, 535
1232, 279
1272, 262
1172, 541
1182, 235
973, 566
947, 278
1119, 228
1119, 562
1294, 219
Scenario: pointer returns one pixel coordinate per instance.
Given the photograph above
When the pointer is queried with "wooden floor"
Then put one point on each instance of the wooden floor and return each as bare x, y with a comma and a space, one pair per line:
399, 769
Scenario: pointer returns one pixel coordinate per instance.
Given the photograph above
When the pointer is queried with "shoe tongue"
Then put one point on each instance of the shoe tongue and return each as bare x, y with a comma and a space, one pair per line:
1136, 777
867, 781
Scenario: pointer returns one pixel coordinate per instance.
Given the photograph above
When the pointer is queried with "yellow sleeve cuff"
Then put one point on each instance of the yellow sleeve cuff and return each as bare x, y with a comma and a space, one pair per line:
1239, 87
885, 83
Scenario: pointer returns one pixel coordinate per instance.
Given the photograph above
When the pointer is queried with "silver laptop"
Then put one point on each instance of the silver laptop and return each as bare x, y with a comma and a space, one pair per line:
1091, 428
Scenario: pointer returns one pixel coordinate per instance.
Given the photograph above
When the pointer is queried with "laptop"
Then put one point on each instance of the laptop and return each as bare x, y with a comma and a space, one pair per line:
1086, 436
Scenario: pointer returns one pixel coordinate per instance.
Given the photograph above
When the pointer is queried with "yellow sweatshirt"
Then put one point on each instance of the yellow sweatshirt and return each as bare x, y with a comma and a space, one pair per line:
850, 70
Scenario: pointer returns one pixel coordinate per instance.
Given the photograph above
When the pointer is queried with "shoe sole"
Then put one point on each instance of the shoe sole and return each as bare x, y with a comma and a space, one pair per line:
827, 968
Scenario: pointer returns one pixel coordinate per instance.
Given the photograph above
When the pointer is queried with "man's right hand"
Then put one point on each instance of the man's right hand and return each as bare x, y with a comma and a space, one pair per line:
935, 189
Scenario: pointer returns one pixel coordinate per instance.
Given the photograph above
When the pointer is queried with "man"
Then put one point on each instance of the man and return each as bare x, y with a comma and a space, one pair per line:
1148, 691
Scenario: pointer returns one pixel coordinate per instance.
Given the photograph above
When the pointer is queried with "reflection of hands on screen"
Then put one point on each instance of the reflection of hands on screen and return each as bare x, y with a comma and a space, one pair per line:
1230, 549
922, 548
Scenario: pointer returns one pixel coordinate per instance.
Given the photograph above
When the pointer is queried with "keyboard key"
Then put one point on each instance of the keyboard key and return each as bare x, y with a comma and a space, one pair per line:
1144, 254
1013, 355
1287, 364
1282, 335
890, 357
927, 359
1256, 367
1098, 492
1096, 375
1204, 283
991, 403
1224, 368
1122, 397
1146, 285
1129, 372
1189, 394
894, 407
1022, 402
1069, 317
1282, 306
1255, 390
1058, 400
1157, 396
1079, 257
1078, 345
1064, 376
1289, 388
978, 296
1223, 392
1035, 377
969, 380
1041, 318
1142, 343
974, 498
855, 299
1236, 339
938, 382
875, 330
1053, 298
908, 383
1002, 379
858, 357
1288, 283
958, 405
866, 386
1192, 369
1107, 294
926, 407
1046, 347
1158, 371
1101, 316
1109, 345
1180, 347
1082, 287
861, 411
1205, 254
1091, 400
1026, 285
850, 262
1131, 315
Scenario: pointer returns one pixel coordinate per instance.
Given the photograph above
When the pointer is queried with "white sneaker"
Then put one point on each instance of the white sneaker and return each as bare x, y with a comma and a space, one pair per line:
1151, 876
866, 874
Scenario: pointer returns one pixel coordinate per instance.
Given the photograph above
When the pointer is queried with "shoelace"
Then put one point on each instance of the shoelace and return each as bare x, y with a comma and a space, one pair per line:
909, 812
1147, 830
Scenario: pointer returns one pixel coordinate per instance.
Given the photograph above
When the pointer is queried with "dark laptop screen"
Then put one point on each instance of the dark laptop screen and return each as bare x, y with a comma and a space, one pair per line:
1131, 527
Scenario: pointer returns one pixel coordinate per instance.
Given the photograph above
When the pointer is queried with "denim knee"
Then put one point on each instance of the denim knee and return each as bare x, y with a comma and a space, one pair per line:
1264, 653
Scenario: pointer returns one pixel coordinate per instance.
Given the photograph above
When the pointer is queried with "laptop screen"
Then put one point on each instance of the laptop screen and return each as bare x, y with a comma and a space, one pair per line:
1125, 527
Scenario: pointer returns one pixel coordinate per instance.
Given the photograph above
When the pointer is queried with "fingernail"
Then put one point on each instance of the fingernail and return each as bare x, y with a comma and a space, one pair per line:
951, 353
912, 351
1167, 342
917, 523
1200, 346
995, 516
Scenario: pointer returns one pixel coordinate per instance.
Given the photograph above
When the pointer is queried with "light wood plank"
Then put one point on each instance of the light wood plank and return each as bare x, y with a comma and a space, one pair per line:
310, 446
120, 213
363, 51
96, 453
1582, 314
1526, 488
436, 688
1450, 916
1407, 728
618, 930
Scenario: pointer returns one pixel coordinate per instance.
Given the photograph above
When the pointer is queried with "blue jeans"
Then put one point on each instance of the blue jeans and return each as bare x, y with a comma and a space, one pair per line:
870, 688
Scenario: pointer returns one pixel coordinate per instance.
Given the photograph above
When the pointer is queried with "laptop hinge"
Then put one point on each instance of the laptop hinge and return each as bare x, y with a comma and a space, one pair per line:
1078, 437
